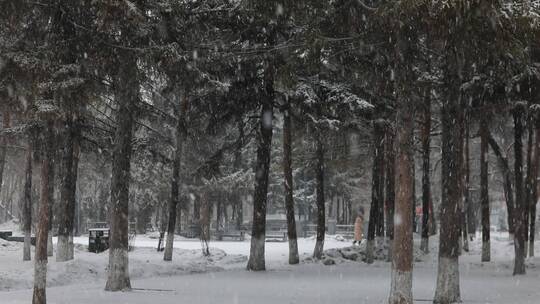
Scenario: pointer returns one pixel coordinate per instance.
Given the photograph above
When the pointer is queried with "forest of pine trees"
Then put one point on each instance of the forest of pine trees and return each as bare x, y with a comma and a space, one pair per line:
174, 114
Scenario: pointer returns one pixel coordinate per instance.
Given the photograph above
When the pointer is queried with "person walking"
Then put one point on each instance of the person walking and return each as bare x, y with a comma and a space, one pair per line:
358, 228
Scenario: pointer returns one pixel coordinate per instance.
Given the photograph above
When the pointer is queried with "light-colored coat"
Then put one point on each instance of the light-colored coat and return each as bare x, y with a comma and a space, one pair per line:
358, 228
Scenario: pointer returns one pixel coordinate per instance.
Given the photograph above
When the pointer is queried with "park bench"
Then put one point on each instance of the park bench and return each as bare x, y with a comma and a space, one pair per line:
192, 231
347, 231
276, 236
7, 235
231, 234
310, 230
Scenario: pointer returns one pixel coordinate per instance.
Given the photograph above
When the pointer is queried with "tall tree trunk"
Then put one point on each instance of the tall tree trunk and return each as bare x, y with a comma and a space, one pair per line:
507, 185
471, 227
390, 178
380, 189
126, 95
426, 184
74, 223
238, 196
6, 123
175, 183
219, 214
402, 259
521, 206
321, 212
52, 173
484, 192
70, 150
528, 180
448, 290
256, 260
204, 222
534, 200
462, 185
27, 205
289, 187
377, 188
40, 266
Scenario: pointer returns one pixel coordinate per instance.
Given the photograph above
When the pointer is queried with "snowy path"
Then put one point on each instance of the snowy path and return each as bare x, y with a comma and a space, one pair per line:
308, 283
191, 278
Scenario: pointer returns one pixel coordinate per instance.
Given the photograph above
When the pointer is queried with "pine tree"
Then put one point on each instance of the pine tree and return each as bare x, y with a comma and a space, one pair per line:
40, 268
288, 185
175, 183
484, 194
126, 95
377, 193
520, 209
426, 184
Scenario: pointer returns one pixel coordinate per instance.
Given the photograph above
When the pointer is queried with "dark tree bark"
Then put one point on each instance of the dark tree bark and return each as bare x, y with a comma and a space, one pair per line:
175, 182
6, 123
238, 196
484, 192
40, 267
471, 222
529, 180
426, 184
534, 200
380, 188
521, 206
390, 178
321, 212
68, 188
219, 214
464, 242
448, 290
256, 260
377, 190
52, 173
127, 96
507, 185
289, 188
27, 204
402, 258
73, 211
204, 223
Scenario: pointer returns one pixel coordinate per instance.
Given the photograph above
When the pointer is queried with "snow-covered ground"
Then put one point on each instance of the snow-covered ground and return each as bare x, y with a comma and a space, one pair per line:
221, 278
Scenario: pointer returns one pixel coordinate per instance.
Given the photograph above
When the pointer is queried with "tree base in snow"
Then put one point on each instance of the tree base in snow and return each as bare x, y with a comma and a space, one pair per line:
62, 249
424, 245
447, 291
369, 251
50, 248
256, 260
167, 256
486, 252
390, 245
40, 282
118, 274
26, 248
401, 288
318, 251
71, 248
293, 252
519, 266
